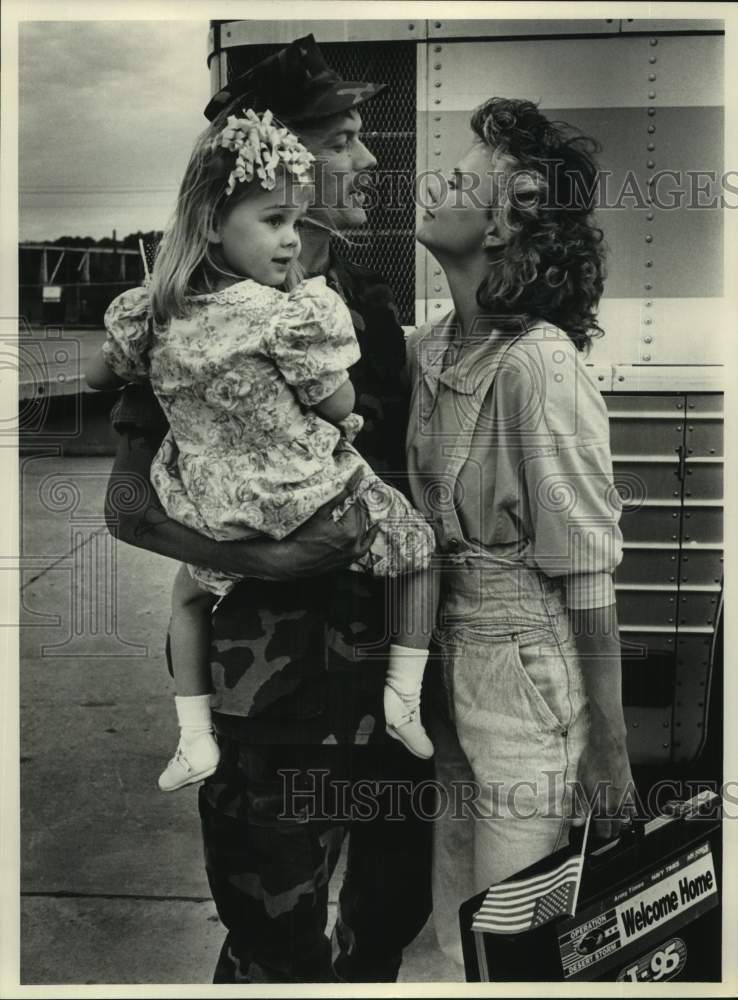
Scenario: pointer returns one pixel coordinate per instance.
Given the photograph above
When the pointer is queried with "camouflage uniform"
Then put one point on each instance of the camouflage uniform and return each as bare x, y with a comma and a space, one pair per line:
292, 696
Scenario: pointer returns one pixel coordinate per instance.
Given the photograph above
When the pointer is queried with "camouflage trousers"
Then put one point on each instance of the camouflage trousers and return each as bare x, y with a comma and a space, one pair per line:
274, 819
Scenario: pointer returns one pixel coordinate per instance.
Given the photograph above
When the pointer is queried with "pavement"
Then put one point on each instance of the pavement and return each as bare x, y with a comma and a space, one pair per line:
113, 884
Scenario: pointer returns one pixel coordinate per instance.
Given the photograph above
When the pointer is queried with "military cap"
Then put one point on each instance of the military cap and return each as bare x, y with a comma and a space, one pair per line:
296, 83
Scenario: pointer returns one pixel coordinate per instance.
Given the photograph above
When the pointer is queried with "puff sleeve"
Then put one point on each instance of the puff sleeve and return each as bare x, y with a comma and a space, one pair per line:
129, 335
312, 342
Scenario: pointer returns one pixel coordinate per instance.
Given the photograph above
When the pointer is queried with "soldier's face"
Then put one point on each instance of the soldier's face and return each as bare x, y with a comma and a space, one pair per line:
342, 161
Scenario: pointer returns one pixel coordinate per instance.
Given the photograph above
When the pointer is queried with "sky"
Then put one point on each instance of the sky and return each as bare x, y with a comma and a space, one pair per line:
109, 111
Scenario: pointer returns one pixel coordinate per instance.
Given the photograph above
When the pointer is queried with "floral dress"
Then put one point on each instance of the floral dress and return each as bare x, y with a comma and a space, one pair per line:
246, 454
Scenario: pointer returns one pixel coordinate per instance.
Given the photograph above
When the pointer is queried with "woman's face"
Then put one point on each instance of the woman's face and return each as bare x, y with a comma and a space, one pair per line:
457, 210
342, 159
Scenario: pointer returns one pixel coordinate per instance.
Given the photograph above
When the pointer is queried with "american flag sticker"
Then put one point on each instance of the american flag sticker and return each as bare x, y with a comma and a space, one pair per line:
523, 904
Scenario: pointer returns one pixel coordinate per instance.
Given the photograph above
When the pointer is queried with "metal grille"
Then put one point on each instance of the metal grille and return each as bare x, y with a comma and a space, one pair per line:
388, 247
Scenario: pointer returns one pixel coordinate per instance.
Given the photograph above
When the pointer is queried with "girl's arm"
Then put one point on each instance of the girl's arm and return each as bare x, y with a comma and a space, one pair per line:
134, 515
339, 404
99, 374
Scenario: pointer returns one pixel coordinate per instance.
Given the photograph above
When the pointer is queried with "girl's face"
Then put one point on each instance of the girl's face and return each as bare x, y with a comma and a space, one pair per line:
260, 235
460, 207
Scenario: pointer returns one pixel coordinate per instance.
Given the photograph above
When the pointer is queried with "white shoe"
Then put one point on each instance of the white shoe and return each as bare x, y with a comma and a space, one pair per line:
402, 716
193, 761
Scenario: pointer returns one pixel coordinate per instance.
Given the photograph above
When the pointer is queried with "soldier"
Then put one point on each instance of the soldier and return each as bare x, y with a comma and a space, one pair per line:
297, 704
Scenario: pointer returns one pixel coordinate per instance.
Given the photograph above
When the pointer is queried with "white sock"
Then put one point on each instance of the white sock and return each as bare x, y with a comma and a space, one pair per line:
406, 669
193, 713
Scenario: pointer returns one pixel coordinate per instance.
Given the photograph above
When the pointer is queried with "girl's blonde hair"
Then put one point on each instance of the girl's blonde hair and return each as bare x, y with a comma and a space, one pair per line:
187, 262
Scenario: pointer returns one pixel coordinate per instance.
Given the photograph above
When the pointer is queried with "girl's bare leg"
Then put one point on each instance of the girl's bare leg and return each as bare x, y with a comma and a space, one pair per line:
189, 634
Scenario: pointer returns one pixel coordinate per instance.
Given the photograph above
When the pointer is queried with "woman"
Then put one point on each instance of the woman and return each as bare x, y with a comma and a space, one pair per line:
297, 713
508, 451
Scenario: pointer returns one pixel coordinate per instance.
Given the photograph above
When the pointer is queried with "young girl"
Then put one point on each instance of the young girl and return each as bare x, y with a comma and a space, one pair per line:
250, 367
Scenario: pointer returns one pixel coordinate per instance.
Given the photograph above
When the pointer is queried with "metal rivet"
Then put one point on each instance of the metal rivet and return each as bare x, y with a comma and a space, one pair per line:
646, 357
652, 77
649, 238
437, 152
438, 83
438, 305
437, 288
650, 164
652, 59
651, 41
648, 340
651, 146
649, 304
648, 286
649, 263
651, 94
411, 27
437, 66
437, 270
651, 129
437, 118
438, 48
437, 135
648, 322
651, 112
649, 216
600, 378
558, 377
438, 24
437, 100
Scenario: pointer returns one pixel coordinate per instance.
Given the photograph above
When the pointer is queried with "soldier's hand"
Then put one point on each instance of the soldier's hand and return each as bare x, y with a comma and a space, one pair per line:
321, 545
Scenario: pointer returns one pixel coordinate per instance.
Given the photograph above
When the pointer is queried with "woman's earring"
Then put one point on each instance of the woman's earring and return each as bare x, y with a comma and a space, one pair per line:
494, 246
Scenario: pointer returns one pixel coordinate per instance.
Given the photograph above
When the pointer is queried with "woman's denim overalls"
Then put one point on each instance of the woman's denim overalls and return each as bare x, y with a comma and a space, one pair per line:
509, 719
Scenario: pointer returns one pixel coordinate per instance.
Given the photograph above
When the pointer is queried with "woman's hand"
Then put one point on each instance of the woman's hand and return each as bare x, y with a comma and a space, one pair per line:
605, 779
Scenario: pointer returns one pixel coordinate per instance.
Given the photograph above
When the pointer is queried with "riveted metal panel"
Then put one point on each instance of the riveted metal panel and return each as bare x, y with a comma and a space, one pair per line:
651, 524
611, 72
705, 404
702, 524
235, 33
690, 378
704, 481
652, 436
655, 25
642, 406
646, 608
510, 28
701, 566
649, 734
639, 482
698, 607
655, 566
705, 437
692, 676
